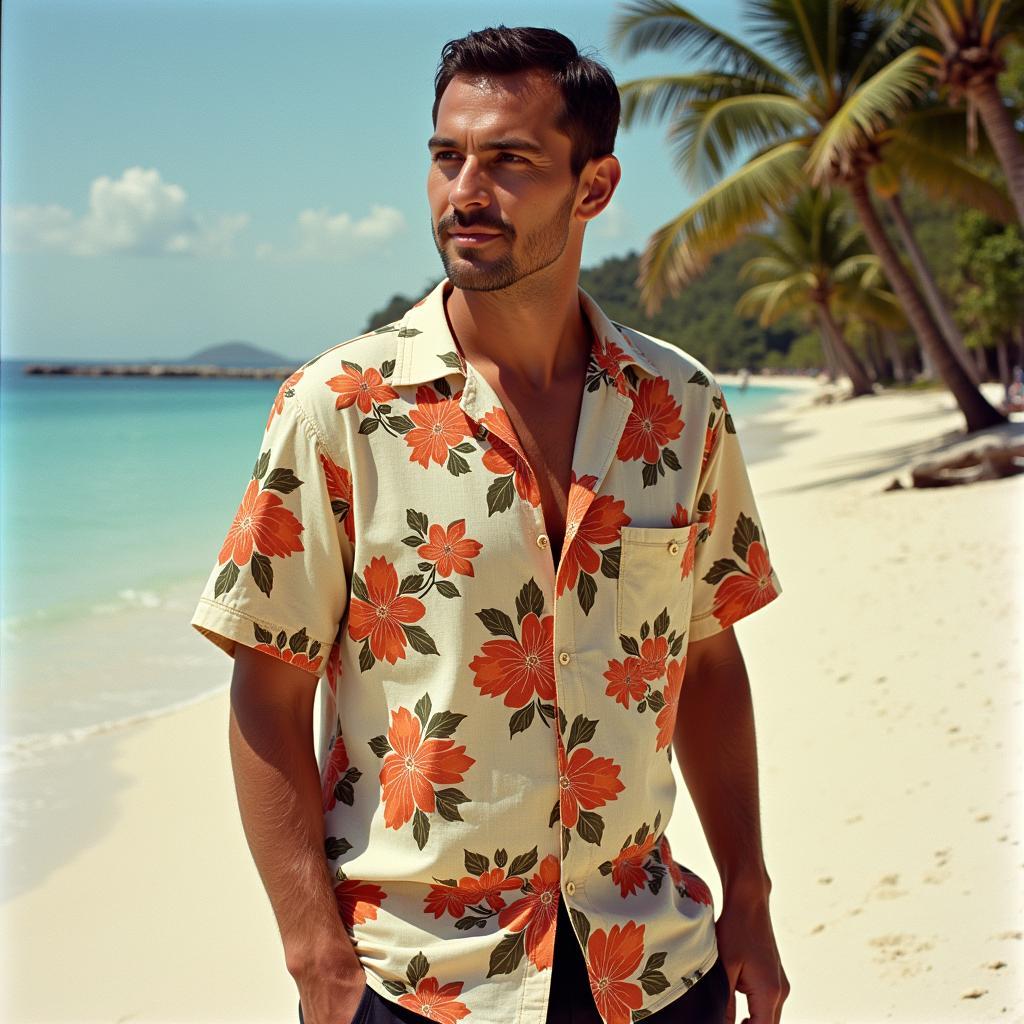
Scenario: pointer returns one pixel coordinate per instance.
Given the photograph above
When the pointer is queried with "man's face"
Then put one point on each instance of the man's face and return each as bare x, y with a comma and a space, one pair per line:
500, 186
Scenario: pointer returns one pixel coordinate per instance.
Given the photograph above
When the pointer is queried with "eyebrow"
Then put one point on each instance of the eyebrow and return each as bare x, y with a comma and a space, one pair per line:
440, 142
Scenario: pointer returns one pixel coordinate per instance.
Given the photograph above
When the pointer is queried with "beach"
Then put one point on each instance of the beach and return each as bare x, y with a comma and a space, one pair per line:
886, 683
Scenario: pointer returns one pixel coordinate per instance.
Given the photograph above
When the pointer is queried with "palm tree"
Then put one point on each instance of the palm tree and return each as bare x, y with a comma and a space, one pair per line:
815, 259
969, 37
819, 99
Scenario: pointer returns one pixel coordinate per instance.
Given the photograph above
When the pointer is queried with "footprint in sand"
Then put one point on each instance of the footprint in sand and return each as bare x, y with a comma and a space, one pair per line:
886, 888
902, 952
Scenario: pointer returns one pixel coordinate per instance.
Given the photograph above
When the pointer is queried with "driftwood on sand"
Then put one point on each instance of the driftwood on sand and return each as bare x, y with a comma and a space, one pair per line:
990, 461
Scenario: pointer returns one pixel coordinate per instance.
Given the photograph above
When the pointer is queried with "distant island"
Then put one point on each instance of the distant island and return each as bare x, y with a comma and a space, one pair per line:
228, 359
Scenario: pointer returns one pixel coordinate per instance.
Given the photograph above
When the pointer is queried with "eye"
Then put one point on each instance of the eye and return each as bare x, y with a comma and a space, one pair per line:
444, 154
512, 157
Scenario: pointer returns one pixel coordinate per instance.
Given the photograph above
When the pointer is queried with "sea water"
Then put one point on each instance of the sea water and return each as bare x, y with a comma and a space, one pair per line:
116, 496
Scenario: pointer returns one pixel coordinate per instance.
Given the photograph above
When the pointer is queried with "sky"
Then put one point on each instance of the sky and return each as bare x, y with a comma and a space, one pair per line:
179, 173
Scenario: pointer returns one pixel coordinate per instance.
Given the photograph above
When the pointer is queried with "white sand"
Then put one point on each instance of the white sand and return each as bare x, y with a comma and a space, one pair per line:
887, 690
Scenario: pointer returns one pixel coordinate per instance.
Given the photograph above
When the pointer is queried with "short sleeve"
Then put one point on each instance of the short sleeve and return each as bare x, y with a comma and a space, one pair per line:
732, 563
279, 582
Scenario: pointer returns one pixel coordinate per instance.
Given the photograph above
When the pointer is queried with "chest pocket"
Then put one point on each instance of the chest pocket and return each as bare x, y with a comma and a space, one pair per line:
651, 577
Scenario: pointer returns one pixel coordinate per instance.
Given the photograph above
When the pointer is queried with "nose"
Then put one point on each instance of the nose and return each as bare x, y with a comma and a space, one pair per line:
468, 187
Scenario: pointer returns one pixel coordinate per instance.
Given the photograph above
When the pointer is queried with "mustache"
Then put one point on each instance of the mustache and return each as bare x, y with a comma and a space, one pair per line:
462, 224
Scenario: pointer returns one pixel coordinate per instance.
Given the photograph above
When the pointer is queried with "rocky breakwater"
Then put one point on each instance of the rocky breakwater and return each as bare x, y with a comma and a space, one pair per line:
157, 370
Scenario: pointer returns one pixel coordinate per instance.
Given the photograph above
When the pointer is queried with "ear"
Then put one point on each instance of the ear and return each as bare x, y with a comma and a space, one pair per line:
601, 176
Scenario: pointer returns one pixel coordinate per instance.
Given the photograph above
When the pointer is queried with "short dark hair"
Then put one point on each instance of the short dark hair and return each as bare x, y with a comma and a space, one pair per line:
590, 113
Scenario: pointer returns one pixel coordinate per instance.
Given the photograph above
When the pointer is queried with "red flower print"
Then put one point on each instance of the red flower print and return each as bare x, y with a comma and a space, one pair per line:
299, 659
360, 387
741, 593
586, 781
612, 958
711, 438
446, 899
628, 870
689, 884
339, 489
261, 523
653, 652
625, 680
505, 456
520, 670
696, 889
653, 422
358, 901
536, 912
436, 1002
601, 526
414, 766
713, 514
382, 616
440, 425
609, 357
283, 392
674, 871
679, 518
450, 549
488, 887
337, 763
666, 720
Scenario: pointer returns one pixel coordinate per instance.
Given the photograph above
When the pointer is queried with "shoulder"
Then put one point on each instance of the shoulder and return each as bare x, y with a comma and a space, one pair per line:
346, 374
687, 376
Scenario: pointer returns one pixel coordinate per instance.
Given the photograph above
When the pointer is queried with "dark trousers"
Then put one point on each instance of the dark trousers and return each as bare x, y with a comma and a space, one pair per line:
571, 1001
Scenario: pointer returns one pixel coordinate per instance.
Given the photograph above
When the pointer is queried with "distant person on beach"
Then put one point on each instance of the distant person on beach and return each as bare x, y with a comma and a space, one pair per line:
1013, 400
514, 537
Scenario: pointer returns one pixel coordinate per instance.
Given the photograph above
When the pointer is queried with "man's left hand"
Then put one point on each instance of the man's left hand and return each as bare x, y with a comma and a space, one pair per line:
747, 949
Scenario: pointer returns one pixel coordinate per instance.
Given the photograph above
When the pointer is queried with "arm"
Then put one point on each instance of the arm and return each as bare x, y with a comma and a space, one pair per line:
277, 781
715, 745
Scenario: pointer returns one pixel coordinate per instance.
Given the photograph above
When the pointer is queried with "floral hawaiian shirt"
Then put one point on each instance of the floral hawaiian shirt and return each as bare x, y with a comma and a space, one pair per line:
496, 731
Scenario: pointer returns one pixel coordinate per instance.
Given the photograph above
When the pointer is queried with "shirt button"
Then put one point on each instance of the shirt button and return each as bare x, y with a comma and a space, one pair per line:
673, 548
542, 540
564, 658
570, 888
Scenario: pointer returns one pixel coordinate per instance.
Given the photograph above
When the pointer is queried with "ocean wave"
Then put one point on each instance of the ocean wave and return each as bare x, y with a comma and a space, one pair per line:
24, 751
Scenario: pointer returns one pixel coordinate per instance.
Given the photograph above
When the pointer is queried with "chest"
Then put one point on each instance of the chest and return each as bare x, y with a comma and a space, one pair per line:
547, 429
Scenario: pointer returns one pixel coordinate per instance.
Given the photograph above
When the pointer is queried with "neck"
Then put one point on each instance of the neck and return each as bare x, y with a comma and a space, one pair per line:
532, 335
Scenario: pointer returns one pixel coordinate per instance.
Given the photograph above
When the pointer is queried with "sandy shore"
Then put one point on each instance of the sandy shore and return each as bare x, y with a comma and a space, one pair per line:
888, 700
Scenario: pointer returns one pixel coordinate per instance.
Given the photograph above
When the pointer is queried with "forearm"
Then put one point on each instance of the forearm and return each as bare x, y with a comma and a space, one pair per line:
278, 787
716, 749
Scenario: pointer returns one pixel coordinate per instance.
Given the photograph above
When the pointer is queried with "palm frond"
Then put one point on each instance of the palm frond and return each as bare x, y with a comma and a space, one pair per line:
681, 249
661, 96
887, 93
770, 301
946, 175
707, 138
662, 25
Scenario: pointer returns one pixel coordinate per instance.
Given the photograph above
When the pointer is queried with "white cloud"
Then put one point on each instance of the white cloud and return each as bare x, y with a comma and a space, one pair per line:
138, 213
322, 235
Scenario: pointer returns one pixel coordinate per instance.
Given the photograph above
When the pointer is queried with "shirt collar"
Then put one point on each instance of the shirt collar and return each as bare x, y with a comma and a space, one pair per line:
426, 349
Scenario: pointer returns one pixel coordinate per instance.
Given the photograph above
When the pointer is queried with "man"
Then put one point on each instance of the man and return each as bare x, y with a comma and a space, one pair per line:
515, 538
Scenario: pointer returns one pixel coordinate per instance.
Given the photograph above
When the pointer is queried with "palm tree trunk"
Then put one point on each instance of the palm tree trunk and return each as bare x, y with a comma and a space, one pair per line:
1003, 361
977, 411
1002, 133
899, 370
936, 300
981, 362
847, 357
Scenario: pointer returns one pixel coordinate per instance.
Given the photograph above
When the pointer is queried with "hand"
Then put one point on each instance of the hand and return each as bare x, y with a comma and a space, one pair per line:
747, 949
330, 999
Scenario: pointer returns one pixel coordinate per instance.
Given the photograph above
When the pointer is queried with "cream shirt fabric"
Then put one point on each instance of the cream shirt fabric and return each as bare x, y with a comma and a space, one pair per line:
496, 736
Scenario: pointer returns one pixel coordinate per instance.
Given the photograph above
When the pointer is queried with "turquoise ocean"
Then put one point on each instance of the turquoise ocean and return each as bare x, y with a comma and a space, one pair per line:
116, 494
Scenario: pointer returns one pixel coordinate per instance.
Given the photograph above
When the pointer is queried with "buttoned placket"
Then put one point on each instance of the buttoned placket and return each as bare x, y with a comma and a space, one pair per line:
603, 416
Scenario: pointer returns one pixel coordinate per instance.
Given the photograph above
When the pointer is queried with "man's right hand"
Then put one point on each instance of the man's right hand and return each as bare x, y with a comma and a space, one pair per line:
330, 999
